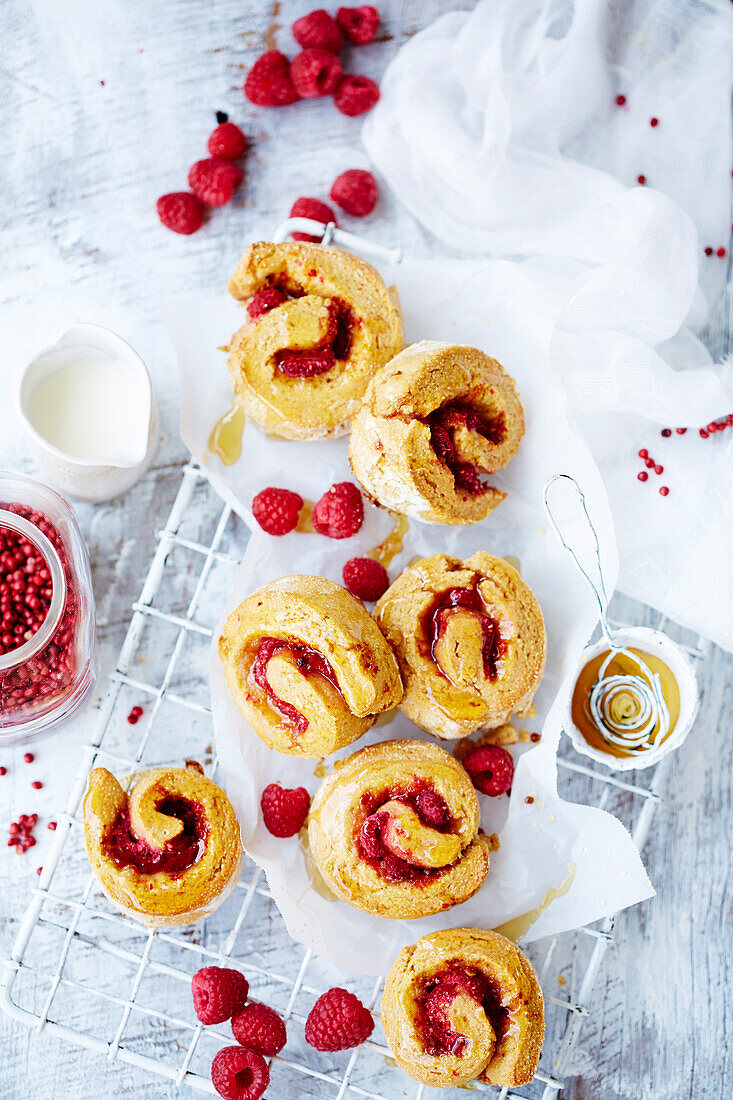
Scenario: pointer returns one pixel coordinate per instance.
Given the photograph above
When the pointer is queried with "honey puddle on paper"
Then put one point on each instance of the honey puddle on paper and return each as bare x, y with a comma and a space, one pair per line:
519, 926
226, 437
387, 551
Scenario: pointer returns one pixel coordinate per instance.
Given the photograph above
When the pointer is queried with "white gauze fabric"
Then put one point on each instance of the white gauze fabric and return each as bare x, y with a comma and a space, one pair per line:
499, 130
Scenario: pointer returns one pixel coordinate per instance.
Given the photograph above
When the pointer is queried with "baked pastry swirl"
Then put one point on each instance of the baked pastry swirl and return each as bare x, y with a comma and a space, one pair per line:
433, 422
321, 321
395, 831
307, 665
462, 1004
470, 641
165, 847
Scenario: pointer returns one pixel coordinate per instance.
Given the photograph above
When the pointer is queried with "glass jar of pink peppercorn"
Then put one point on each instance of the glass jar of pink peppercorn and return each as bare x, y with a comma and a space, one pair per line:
47, 628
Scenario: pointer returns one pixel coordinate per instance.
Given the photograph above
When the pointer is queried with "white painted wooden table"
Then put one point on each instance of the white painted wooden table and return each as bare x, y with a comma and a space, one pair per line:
105, 106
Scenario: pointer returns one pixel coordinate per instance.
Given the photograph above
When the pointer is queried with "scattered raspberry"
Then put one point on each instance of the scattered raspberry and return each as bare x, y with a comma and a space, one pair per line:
306, 207
52, 826
337, 1021
20, 833
708, 251
264, 301
358, 24
491, 769
213, 181
641, 180
277, 510
620, 100
227, 142
721, 252
28, 757
239, 1074
305, 364
340, 512
3, 770
36, 785
317, 29
284, 809
365, 578
268, 82
315, 72
356, 192
259, 1028
218, 992
180, 211
356, 95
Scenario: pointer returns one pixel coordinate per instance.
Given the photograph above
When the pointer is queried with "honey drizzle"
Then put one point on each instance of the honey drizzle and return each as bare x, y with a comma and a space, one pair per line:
389, 548
519, 926
305, 523
225, 440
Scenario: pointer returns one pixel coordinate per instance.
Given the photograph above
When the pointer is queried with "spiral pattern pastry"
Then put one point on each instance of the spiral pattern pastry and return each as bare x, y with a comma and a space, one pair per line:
165, 847
463, 1004
435, 421
321, 321
470, 642
395, 831
307, 665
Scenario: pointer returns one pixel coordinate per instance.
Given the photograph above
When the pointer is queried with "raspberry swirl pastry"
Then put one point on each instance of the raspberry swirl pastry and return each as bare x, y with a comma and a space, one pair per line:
165, 847
434, 421
470, 642
307, 665
321, 321
462, 1004
395, 831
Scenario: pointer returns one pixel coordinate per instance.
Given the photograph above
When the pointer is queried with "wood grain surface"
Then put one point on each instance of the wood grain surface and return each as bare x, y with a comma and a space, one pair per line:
104, 107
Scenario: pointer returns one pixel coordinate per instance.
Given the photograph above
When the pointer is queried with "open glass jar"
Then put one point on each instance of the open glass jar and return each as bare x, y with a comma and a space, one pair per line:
47, 627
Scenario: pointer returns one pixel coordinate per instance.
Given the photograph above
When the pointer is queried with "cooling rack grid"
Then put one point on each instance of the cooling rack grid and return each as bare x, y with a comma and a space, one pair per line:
84, 973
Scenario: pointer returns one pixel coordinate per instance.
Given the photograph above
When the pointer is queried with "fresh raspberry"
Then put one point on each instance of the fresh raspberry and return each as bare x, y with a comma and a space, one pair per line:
239, 1074
284, 809
358, 24
337, 1021
306, 207
305, 364
356, 192
340, 511
356, 95
491, 769
213, 181
268, 82
259, 1028
365, 578
180, 211
264, 301
277, 510
315, 72
218, 992
317, 28
227, 142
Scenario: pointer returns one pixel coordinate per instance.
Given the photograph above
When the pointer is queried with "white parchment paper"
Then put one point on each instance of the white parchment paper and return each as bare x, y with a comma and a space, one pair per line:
548, 843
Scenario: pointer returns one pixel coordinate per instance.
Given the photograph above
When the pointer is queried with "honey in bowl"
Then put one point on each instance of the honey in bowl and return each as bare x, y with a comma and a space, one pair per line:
625, 702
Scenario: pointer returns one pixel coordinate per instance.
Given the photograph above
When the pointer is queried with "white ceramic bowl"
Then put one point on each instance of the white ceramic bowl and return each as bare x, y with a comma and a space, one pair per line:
658, 645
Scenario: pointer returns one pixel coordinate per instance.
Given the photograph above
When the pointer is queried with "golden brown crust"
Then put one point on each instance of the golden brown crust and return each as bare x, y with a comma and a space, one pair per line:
343, 802
447, 691
161, 899
314, 612
391, 447
508, 1059
322, 405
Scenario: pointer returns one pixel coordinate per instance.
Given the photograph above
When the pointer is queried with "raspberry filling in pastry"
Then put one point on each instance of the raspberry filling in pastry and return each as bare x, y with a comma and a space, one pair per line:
440, 616
444, 423
437, 998
128, 850
308, 362
406, 835
309, 661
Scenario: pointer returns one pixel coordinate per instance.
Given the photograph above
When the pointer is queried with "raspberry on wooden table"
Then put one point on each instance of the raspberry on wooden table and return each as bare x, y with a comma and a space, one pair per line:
306, 207
356, 94
239, 1074
365, 578
277, 510
264, 301
218, 992
259, 1028
227, 142
268, 82
338, 1021
315, 72
339, 513
356, 192
317, 28
284, 809
491, 769
358, 24
180, 211
213, 181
